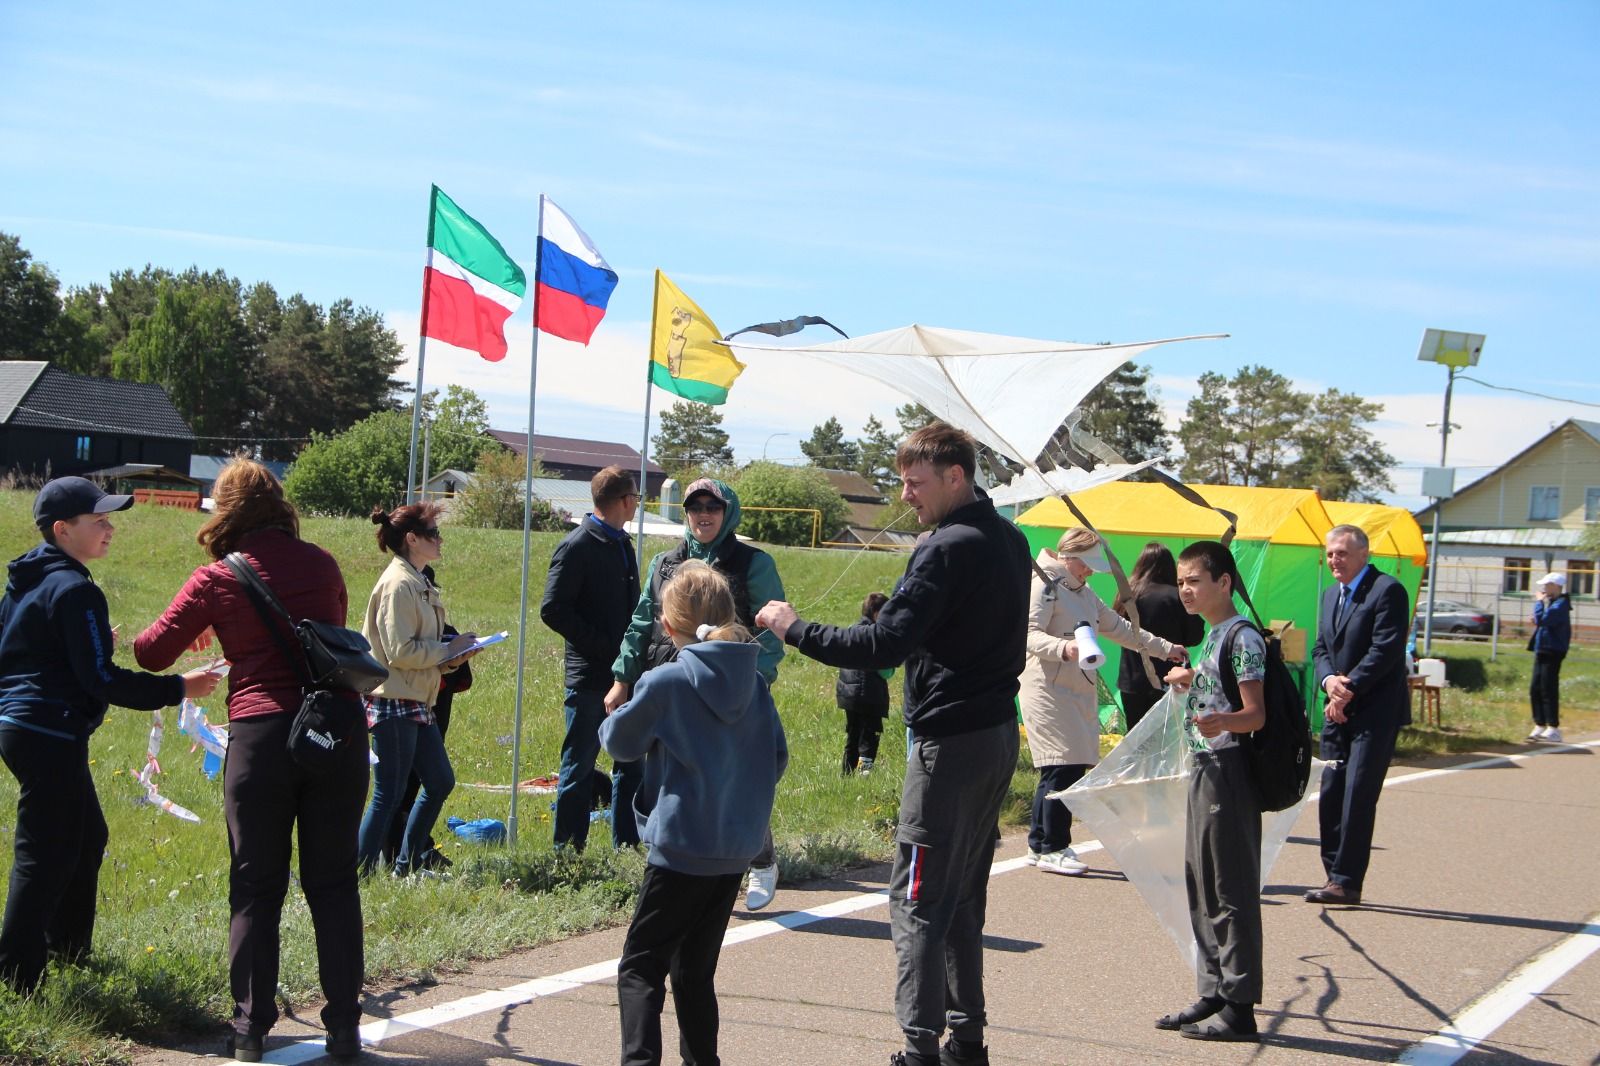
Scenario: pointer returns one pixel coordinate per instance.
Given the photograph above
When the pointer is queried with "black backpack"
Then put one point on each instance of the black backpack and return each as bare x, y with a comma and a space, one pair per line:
1279, 752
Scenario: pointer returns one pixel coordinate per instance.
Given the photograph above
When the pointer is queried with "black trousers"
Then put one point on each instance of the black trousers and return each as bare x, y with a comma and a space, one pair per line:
1051, 826
60, 839
861, 732
266, 798
1135, 705
677, 930
1544, 691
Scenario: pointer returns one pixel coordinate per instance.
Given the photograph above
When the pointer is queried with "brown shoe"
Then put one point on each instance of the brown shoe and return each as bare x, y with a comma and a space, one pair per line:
1331, 893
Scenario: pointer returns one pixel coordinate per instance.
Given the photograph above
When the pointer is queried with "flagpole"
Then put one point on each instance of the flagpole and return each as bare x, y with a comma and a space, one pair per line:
527, 539
422, 350
644, 445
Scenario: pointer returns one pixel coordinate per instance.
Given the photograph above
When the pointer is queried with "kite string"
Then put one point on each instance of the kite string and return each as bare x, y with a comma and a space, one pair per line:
817, 600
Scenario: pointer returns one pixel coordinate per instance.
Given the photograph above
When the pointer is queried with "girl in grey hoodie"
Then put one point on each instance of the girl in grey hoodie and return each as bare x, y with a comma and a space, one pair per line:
714, 751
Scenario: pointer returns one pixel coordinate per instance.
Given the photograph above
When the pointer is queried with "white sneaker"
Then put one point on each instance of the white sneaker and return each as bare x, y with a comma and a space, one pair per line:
1537, 734
1032, 859
763, 885
1552, 735
1064, 861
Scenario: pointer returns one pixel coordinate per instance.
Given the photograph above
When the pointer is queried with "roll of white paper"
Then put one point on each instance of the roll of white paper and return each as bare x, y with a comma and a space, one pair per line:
1089, 654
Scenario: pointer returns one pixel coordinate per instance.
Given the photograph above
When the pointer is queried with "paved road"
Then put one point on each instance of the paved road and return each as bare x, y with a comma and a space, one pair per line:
1477, 871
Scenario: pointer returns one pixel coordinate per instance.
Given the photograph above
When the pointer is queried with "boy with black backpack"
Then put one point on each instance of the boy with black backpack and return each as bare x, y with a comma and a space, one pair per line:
1222, 851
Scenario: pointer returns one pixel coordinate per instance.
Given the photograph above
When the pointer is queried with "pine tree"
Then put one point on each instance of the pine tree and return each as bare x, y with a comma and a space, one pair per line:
690, 437
828, 448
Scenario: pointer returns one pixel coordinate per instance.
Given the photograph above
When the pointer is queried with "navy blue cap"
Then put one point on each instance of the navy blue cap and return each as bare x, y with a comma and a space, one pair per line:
66, 498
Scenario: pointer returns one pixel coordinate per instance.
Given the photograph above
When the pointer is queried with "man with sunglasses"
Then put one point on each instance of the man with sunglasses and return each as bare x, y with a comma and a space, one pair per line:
589, 596
711, 516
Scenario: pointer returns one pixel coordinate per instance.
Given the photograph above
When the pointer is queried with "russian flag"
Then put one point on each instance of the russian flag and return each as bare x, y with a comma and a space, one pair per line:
573, 281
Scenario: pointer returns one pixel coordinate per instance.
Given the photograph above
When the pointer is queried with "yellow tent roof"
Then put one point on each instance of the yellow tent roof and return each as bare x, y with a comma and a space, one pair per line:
1391, 530
1279, 516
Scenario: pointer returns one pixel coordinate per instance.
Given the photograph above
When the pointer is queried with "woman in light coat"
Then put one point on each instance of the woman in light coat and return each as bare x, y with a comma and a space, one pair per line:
1060, 707
405, 624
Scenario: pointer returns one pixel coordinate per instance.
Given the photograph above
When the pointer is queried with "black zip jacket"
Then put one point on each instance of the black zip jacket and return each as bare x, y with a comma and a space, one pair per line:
589, 598
862, 690
1160, 612
56, 673
958, 621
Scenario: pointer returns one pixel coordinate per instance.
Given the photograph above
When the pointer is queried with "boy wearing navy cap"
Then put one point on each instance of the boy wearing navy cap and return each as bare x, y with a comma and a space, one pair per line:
56, 680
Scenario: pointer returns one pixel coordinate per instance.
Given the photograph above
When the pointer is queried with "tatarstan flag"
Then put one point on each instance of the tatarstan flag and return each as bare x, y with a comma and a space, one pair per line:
470, 285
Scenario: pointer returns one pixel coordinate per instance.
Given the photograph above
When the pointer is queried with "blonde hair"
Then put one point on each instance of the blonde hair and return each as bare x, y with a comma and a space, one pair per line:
1078, 539
699, 596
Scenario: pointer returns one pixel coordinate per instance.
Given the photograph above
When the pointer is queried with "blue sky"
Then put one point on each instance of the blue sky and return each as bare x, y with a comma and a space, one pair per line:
1322, 183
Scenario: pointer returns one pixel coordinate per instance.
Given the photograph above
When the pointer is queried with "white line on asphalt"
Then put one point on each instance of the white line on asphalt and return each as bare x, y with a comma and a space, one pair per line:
1484, 1016
539, 988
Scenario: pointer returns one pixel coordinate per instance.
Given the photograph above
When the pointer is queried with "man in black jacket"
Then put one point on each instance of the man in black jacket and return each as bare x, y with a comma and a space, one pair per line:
589, 598
958, 620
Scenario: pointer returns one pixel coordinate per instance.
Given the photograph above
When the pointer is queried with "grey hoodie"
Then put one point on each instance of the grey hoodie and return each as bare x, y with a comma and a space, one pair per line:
715, 752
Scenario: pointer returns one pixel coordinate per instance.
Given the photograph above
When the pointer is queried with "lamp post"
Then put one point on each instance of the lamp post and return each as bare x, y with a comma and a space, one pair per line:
769, 441
1453, 351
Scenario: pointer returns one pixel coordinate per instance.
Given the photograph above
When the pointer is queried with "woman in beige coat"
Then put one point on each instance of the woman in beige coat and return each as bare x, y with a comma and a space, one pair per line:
405, 626
1059, 703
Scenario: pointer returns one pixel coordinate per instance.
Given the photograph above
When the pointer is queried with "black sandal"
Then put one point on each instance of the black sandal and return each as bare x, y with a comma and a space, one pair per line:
1197, 1011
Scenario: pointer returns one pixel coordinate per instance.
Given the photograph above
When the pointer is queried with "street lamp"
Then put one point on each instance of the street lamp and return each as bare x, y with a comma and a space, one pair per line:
769, 441
1452, 350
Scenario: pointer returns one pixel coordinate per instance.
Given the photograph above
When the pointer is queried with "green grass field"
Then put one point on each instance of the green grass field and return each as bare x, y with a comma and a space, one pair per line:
159, 963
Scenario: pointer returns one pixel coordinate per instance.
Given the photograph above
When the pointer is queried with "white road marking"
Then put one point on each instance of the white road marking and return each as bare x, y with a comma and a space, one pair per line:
1491, 1011
541, 987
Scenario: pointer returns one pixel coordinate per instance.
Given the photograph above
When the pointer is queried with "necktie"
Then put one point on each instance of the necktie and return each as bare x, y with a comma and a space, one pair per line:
1344, 601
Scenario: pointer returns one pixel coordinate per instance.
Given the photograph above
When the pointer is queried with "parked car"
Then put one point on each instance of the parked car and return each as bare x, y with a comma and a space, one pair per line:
1455, 617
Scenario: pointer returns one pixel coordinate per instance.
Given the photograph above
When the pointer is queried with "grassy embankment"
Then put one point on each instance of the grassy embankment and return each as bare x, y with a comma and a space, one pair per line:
159, 962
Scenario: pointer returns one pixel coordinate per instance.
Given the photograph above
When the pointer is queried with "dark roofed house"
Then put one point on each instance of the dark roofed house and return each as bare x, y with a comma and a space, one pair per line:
860, 495
59, 423
577, 459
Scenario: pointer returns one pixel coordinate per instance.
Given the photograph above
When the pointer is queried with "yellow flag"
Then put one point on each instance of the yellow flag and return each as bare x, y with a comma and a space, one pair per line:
685, 357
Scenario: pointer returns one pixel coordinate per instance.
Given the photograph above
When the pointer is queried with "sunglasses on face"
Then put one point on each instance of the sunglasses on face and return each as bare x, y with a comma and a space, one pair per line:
705, 507
429, 533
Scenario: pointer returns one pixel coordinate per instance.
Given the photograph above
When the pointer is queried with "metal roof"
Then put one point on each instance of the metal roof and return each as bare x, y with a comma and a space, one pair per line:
1514, 538
16, 378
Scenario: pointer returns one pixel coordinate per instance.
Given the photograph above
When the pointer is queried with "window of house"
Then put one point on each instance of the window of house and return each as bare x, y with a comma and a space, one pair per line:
1580, 577
81, 451
1519, 574
1591, 505
1544, 503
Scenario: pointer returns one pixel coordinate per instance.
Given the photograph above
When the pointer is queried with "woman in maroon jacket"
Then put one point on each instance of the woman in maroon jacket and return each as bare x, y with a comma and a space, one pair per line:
265, 792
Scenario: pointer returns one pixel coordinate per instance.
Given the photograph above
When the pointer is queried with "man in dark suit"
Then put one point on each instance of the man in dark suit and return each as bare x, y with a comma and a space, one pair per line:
1360, 657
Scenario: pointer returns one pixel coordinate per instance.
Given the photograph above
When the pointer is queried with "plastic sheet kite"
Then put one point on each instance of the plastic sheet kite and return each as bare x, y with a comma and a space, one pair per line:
1135, 802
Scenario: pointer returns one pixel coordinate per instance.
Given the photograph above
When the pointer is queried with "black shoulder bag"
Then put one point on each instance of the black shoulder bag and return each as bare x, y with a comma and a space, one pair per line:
336, 666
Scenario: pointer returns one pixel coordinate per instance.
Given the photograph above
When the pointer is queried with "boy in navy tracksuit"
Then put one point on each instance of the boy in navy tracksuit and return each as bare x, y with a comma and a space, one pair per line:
56, 680
714, 751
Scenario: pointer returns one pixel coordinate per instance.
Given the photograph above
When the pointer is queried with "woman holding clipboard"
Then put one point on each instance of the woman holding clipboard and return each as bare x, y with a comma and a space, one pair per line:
405, 624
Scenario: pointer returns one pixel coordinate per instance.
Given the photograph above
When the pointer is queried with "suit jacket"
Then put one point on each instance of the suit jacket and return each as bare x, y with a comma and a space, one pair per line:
1367, 645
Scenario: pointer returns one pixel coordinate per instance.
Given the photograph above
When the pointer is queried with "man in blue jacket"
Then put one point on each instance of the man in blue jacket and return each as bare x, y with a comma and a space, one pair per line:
1360, 658
56, 680
959, 621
